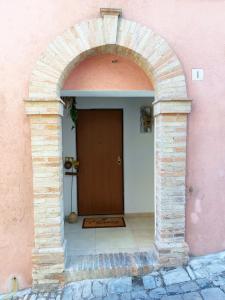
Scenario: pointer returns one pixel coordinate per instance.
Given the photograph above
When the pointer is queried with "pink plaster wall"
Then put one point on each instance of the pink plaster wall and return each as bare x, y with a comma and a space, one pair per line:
99, 73
194, 29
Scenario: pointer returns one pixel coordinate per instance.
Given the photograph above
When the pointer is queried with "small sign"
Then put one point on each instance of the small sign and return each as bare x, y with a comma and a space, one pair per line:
197, 74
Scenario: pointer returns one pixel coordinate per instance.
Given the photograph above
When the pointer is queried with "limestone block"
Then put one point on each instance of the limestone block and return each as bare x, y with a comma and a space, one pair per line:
110, 24
44, 107
173, 106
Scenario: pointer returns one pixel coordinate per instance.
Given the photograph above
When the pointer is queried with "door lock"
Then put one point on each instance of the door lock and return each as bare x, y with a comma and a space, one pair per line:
119, 160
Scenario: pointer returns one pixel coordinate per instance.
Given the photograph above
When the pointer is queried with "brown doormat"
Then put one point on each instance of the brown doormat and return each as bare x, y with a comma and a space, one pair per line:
103, 222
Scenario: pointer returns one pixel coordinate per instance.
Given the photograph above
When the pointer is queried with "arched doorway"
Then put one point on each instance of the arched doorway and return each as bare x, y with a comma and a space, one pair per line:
111, 93
45, 109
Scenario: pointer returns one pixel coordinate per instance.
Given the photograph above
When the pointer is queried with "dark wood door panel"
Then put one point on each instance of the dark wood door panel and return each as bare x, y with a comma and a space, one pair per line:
100, 153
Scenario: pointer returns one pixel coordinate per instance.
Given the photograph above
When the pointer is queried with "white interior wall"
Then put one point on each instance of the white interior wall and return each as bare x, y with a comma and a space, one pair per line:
138, 154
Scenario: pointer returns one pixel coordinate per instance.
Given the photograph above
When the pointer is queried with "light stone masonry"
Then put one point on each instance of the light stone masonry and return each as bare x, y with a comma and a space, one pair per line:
108, 34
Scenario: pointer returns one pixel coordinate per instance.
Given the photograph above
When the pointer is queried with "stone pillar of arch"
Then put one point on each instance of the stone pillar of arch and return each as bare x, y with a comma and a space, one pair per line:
108, 34
46, 144
170, 171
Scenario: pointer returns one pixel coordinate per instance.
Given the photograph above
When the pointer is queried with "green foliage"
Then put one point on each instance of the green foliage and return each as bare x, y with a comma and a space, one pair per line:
73, 113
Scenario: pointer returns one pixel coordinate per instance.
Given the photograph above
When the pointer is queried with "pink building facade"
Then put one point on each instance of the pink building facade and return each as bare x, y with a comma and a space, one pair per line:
198, 42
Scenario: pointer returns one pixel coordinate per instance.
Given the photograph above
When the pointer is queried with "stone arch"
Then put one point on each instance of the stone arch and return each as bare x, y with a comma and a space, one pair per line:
149, 50
108, 34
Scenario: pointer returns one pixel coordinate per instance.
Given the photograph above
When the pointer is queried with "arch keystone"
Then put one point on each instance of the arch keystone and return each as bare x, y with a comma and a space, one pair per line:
110, 22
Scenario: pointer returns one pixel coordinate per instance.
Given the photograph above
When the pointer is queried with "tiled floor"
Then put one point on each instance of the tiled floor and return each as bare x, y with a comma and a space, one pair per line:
138, 235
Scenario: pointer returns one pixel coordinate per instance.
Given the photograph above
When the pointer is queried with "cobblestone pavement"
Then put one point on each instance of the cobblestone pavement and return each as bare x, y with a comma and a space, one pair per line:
203, 278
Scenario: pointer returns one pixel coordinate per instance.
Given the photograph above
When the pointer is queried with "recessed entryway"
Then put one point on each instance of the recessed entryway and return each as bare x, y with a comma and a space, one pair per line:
115, 167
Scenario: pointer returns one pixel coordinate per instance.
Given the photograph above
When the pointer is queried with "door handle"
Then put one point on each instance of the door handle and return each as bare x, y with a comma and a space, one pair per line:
119, 160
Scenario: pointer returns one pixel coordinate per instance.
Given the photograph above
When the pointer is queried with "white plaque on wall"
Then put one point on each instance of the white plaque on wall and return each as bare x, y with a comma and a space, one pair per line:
197, 74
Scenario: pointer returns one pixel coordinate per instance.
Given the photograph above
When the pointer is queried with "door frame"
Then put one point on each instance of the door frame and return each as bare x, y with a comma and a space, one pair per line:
77, 155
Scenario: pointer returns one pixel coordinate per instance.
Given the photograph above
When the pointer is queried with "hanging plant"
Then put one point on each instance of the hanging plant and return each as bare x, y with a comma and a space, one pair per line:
70, 103
73, 113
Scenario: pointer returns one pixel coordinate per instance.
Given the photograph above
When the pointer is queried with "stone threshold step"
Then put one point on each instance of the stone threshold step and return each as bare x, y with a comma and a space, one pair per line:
110, 265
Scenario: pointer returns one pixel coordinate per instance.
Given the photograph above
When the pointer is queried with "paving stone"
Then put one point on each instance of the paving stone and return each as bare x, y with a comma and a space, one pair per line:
87, 290
158, 281
216, 268
190, 272
157, 293
201, 261
139, 295
99, 289
201, 273
120, 285
67, 294
173, 289
154, 273
203, 283
213, 293
209, 270
33, 297
125, 296
177, 275
220, 256
29, 296
149, 282
192, 296
173, 297
23, 293
219, 280
111, 297
190, 286
46, 295
76, 289
52, 294
137, 283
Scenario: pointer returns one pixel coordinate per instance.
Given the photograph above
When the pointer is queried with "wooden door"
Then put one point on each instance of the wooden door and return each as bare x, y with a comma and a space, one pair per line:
100, 154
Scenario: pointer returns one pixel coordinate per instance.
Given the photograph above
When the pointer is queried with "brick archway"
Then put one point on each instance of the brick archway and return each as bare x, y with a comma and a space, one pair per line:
108, 34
